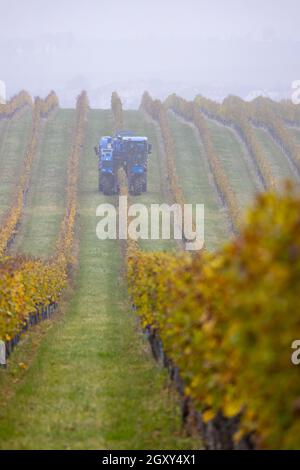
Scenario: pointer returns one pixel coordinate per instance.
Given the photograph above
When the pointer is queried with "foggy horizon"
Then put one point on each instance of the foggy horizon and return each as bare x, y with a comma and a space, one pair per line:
190, 47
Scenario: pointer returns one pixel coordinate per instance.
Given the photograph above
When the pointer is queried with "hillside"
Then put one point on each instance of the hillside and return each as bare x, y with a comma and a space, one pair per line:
87, 375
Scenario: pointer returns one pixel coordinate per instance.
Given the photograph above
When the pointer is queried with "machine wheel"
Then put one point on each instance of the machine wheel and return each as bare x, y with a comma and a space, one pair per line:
100, 182
107, 185
137, 186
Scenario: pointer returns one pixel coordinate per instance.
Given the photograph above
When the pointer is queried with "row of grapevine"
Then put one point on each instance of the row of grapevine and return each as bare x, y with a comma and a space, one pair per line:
158, 112
16, 103
27, 284
12, 217
117, 111
263, 114
227, 321
191, 112
234, 112
132, 246
285, 109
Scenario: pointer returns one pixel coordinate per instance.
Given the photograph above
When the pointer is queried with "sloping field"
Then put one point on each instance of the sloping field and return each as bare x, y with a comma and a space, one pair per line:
235, 163
295, 132
92, 382
197, 182
87, 378
46, 197
279, 164
14, 135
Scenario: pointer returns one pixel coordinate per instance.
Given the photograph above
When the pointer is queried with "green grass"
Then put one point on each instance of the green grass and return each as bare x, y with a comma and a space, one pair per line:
238, 169
92, 383
295, 132
277, 160
156, 191
3, 128
14, 136
45, 201
196, 182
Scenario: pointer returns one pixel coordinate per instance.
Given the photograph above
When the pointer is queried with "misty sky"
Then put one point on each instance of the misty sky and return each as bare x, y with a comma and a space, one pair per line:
218, 46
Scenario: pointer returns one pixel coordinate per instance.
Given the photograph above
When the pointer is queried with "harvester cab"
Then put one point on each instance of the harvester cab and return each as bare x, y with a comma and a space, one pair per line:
136, 150
106, 166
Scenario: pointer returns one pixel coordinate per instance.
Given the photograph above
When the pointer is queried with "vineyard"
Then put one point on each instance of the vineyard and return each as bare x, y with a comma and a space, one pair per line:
81, 318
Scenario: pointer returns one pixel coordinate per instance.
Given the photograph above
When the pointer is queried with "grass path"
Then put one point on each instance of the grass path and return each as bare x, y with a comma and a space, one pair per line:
93, 383
14, 134
278, 162
3, 127
295, 132
45, 203
236, 165
196, 181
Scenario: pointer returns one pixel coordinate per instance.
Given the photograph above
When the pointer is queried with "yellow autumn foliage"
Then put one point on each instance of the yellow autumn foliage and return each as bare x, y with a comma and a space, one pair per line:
236, 113
16, 103
26, 284
117, 111
191, 112
13, 214
228, 319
